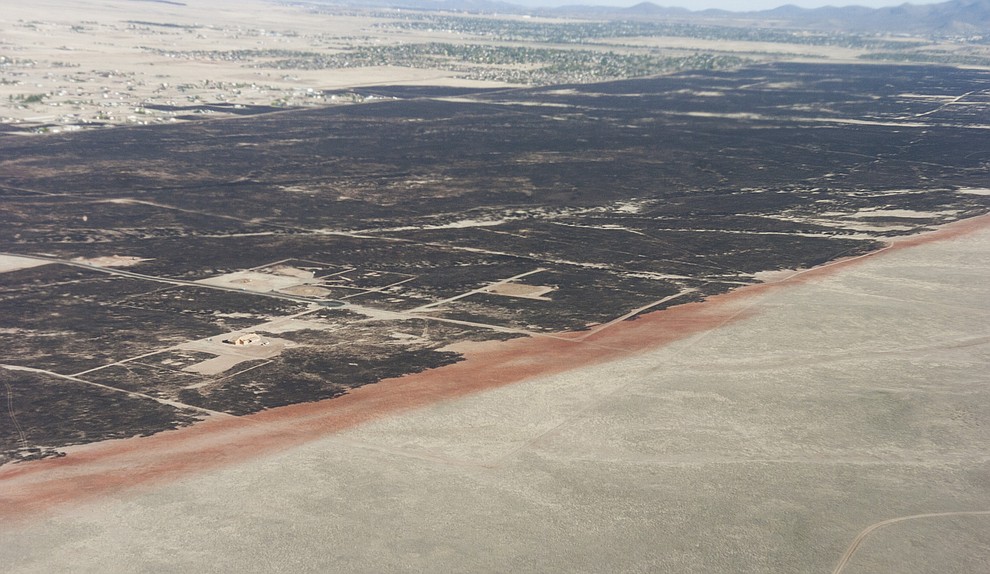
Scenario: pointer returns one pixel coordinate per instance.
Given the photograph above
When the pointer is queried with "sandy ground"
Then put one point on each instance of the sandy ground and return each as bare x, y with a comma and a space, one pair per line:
13, 263
110, 261
103, 62
229, 356
77, 64
257, 281
770, 429
520, 290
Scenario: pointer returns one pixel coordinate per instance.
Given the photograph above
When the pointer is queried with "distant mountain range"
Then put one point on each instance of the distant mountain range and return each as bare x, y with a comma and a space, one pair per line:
955, 17
952, 17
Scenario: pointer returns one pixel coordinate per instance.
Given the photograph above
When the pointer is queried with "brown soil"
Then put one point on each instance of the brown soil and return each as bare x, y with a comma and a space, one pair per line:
90, 471
520, 290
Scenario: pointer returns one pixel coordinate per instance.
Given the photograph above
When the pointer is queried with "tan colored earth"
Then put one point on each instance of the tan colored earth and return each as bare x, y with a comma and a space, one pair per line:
834, 420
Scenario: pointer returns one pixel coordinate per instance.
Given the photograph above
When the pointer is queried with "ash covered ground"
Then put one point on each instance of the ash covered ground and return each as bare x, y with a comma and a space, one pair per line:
351, 244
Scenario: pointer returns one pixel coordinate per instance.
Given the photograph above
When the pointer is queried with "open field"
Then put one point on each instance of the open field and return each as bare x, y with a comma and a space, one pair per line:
837, 402
79, 64
369, 241
368, 290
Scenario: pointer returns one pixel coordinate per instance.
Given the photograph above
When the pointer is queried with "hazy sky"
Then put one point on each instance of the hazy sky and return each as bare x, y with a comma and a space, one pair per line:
737, 5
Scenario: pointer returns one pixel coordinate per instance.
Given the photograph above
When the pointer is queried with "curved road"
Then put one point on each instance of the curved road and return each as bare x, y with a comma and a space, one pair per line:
847, 556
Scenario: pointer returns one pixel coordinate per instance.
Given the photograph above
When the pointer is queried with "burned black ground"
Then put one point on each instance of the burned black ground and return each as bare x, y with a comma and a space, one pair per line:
583, 202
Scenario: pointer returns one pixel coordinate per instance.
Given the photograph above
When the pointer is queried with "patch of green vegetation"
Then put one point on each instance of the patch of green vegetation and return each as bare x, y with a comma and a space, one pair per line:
934, 57
164, 25
228, 55
579, 32
514, 64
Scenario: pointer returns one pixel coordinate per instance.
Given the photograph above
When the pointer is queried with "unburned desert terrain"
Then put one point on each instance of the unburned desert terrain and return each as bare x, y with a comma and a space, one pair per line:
829, 403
